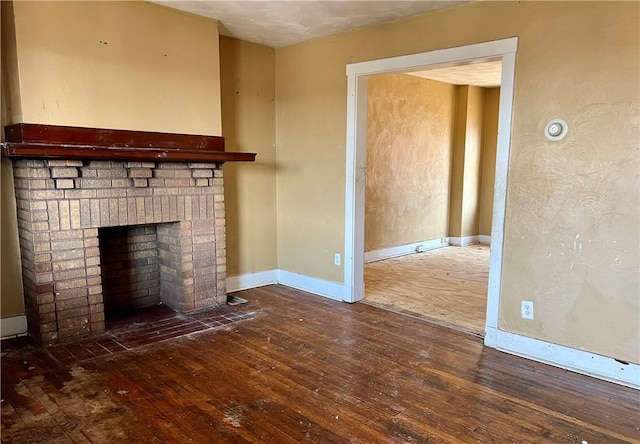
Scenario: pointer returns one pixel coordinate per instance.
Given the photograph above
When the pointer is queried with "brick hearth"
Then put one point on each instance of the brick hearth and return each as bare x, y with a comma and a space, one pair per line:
63, 205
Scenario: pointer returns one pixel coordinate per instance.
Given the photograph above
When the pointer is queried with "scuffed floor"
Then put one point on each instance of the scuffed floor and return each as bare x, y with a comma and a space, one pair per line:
291, 367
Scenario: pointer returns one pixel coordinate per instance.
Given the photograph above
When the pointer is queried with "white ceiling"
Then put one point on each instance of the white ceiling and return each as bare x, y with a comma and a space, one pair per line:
486, 74
282, 23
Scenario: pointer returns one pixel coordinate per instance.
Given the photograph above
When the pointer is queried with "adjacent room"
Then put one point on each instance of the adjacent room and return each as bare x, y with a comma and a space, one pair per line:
431, 147
314, 221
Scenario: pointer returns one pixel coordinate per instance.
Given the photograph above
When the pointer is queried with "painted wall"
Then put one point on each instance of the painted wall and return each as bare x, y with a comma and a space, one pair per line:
12, 105
489, 145
571, 237
472, 160
11, 301
128, 65
466, 165
247, 80
409, 136
457, 161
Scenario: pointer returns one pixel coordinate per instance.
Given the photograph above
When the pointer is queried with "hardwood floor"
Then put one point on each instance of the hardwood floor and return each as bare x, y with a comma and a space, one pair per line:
447, 286
291, 367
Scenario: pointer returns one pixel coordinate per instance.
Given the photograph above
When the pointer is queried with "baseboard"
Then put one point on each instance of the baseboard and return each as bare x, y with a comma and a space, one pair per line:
463, 241
317, 286
567, 358
251, 280
402, 250
484, 239
306, 283
13, 326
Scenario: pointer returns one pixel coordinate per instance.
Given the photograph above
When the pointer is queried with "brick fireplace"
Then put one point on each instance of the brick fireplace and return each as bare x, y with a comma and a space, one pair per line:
105, 224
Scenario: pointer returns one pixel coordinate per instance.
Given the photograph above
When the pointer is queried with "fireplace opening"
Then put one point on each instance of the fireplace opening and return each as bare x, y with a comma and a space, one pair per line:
130, 269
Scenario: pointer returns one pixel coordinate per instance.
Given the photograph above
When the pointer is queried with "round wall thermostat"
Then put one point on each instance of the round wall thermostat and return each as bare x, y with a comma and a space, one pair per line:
556, 129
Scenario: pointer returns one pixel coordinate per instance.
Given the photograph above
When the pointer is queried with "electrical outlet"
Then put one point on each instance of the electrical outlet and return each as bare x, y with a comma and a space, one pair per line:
336, 259
527, 310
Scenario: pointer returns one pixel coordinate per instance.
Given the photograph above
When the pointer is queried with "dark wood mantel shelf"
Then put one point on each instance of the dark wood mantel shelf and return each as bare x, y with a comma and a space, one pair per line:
65, 142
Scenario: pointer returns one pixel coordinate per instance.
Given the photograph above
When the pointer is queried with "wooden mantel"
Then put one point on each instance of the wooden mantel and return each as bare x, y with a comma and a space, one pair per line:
25, 140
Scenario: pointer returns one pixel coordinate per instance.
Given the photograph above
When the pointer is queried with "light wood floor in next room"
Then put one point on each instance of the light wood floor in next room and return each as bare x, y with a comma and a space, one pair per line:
447, 285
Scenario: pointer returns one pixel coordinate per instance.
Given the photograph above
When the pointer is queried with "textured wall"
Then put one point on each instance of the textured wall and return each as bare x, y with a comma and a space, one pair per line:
472, 161
410, 123
571, 234
489, 144
457, 161
11, 104
247, 78
126, 65
466, 161
11, 301
571, 237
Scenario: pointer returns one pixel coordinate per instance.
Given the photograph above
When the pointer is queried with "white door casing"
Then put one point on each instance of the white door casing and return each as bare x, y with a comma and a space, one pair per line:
356, 147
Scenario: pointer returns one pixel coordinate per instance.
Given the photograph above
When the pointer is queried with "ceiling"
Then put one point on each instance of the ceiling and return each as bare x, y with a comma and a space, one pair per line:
486, 74
282, 23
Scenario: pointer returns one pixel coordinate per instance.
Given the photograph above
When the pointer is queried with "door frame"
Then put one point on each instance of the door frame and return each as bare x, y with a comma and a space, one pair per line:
356, 147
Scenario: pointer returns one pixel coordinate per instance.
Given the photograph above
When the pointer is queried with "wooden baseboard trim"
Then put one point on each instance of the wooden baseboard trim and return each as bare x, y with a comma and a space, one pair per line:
309, 284
484, 239
463, 241
251, 280
317, 286
402, 250
568, 358
13, 326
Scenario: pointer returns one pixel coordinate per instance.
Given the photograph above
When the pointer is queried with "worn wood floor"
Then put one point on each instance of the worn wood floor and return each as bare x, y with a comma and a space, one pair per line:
300, 368
447, 285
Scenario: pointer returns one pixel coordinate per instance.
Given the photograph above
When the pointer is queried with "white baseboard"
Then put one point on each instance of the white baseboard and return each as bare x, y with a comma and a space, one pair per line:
317, 286
578, 361
252, 280
309, 284
484, 239
401, 250
13, 326
463, 241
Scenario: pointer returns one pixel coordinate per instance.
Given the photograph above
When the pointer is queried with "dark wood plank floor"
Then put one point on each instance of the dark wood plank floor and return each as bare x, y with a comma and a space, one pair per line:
303, 368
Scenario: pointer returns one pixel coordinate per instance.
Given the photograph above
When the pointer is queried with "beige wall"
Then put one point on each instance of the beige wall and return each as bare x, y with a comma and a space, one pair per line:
409, 136
12, 106
466, 165
11, 301
247, 82
457, 161
579, 190
489, 145
472, 161
127, 65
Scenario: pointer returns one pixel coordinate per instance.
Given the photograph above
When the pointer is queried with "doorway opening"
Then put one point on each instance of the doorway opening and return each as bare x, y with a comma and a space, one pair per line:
431, 145
358, 77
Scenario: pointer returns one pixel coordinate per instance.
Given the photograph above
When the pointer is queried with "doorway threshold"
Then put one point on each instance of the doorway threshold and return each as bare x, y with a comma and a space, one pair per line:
414, 315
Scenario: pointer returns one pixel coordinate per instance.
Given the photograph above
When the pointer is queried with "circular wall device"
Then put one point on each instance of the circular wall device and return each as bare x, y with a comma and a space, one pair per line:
556, 130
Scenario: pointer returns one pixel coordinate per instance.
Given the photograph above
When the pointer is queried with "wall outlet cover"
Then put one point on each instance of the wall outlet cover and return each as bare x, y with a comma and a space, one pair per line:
527, 310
